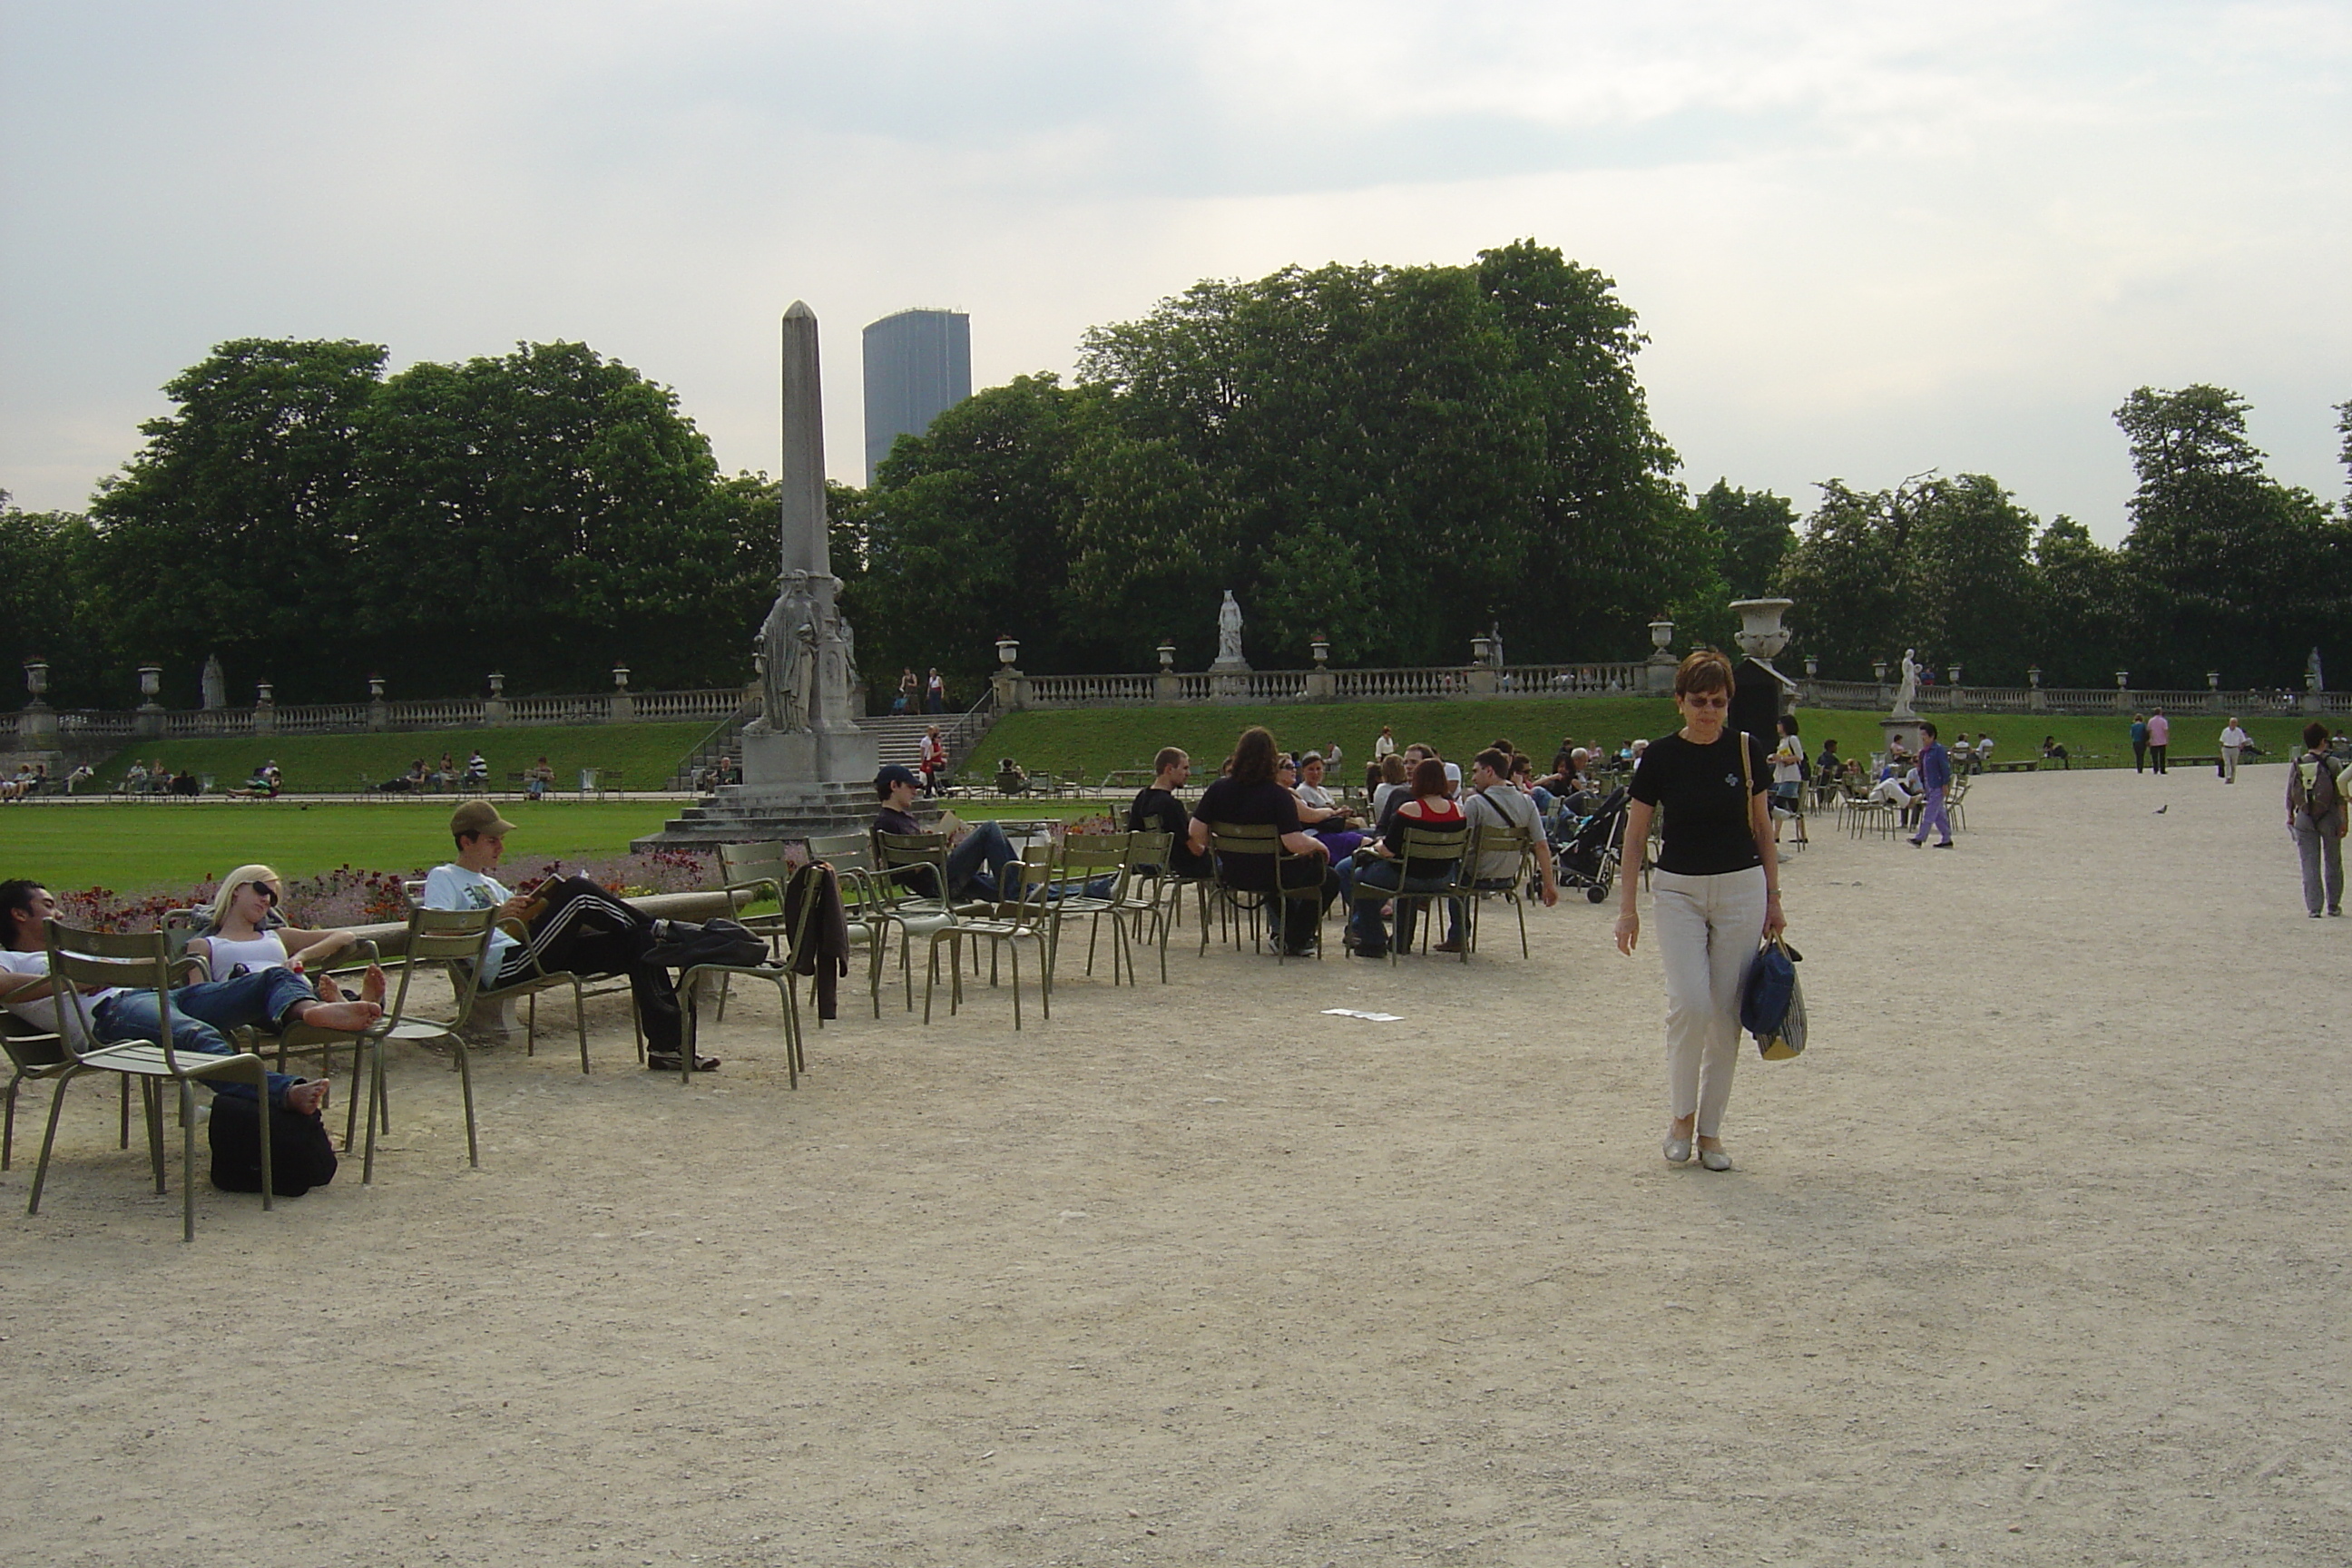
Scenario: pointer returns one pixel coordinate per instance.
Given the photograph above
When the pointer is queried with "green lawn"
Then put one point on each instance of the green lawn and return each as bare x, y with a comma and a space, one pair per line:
313, 765
138, 848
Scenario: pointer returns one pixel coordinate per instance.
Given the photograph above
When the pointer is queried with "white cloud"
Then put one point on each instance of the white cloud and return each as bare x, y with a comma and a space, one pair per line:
1866, 239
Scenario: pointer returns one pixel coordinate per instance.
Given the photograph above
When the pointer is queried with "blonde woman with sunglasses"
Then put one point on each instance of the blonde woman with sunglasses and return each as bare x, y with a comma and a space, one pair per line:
246, 935
1715, 893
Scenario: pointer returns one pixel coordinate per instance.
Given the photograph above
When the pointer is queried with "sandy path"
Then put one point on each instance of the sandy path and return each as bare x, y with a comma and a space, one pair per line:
2039, 1255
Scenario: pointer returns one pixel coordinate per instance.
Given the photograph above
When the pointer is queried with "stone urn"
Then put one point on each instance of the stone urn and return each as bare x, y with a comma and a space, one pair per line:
1761, 636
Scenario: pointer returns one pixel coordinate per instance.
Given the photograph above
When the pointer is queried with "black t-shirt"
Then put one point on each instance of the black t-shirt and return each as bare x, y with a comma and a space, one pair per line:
1245, 805
1706, 829
1157, 810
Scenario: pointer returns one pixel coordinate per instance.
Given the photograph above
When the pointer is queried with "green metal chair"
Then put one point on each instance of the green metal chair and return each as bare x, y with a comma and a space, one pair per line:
1002, 926
80, 960
1230, 842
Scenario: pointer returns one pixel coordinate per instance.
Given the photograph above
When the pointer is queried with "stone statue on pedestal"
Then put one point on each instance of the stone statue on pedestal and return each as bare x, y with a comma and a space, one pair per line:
217, 684
1229, 635
1909, 688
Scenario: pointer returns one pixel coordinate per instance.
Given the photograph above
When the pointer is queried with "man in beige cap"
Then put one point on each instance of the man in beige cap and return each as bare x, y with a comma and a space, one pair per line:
571, 924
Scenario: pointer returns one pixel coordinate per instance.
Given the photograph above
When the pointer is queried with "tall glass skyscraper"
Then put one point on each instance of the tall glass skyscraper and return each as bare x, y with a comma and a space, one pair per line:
917, 365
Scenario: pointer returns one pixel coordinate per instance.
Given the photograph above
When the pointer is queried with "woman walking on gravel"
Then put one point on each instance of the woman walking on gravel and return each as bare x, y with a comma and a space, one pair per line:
1716, 893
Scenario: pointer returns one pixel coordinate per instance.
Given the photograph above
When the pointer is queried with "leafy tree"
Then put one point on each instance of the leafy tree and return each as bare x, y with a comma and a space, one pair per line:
228, 531
1754, 534
543, 514
1849, 575
44, 613
2082, 605
2239, 573
966, 535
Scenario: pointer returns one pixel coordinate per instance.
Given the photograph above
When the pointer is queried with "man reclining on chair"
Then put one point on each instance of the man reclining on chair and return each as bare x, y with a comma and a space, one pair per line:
201, 1014
570, 924
975, 866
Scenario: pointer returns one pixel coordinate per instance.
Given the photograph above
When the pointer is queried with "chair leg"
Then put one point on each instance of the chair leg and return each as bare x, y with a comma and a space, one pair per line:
41, 1171
188, 1158
8, 1128
466, 1088
151, 1105
269, 1176
579, 1022
1012, 949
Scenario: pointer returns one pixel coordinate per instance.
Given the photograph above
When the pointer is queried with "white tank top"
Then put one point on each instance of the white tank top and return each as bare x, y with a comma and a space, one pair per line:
265, 952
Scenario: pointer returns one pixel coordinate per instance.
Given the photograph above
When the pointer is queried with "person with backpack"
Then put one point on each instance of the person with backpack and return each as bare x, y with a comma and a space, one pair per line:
2316, 817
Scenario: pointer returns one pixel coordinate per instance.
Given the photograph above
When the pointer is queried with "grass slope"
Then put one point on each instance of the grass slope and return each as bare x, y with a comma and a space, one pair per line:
646, 754
138, 848
1093, 742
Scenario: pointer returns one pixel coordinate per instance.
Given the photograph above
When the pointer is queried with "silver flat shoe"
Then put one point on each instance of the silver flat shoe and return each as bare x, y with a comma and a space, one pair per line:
1714, 1160
1677, 1151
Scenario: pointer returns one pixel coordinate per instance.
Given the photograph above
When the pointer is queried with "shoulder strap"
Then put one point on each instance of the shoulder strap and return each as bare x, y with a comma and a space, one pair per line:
1747, 767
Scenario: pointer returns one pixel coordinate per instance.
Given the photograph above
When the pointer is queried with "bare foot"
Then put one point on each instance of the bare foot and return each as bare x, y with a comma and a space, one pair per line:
371, 984
348, 1017
308, 1099
327, 989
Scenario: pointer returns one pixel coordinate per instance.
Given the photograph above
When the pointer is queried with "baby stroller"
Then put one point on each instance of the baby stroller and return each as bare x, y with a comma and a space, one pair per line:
1592, 856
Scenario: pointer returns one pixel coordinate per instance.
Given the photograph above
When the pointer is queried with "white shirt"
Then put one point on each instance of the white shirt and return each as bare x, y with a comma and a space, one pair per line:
1382, 749
452, 887
1788, 759
2233, 736
42, 1012
1315, 796
1984, 745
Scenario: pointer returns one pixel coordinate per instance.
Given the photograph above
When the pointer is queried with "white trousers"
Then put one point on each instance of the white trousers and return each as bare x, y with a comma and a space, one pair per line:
1707, 929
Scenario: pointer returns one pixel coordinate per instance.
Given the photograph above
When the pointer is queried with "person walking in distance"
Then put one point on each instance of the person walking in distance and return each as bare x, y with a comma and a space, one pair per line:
1934, 777
1716, 891
2159, 737
2316, 817
2234, 743
2139, 744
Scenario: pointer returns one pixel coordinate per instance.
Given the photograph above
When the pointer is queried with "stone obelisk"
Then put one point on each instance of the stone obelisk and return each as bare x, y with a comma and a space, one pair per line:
807, 736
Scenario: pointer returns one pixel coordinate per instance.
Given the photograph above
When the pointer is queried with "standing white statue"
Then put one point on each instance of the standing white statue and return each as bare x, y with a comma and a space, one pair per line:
1909, 688
788, 675
216, 686
1229, 631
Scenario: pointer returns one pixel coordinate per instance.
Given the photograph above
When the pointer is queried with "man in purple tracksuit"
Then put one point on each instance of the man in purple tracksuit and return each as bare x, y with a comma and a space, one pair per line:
1934, 776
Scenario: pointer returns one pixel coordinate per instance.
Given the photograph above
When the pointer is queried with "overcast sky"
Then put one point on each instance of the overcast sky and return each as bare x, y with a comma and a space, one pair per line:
1866, 239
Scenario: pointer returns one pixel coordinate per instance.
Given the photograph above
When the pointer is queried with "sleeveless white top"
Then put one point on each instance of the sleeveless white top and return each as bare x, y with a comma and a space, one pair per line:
265, 952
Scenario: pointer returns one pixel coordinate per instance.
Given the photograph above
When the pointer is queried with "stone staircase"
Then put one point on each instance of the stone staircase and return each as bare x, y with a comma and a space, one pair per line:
734, 816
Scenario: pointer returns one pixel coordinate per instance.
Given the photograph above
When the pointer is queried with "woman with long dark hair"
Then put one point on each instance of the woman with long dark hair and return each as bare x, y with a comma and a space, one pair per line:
1249, 795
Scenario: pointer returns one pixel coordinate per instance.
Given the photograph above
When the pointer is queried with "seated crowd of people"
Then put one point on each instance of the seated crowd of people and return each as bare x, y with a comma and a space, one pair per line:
1332, 849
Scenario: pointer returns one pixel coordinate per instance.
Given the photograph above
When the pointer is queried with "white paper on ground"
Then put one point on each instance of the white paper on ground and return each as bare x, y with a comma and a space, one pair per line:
1368, 1018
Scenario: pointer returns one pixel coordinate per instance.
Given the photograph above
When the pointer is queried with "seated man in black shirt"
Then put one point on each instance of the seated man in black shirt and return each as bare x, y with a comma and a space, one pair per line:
1249, 797
1157, 810
984, 847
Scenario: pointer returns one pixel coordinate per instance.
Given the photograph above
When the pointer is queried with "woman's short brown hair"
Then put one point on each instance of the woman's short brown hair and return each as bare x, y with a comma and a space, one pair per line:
1255, 755
1429, 776
1395, 769
1704, 672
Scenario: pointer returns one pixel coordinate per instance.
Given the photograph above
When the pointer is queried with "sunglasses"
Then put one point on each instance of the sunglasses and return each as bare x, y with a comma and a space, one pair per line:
268, 894
1717, 701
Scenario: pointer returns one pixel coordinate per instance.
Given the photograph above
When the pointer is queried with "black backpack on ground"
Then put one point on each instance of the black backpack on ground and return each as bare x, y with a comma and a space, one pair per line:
301, 1155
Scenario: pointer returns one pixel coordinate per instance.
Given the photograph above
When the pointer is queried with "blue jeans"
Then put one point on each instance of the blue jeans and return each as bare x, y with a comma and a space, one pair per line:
203, 1013
984, 846
1364, 915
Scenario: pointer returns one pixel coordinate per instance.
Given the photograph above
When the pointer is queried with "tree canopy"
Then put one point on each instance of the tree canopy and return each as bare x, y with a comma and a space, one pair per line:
1392, 457
544, 514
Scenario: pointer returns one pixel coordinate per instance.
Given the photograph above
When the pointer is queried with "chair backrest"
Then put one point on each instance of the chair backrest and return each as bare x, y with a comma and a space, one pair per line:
1148, 851
746, 865
844, 852
1434, 848
1097, 851
899, 853
1501, 838
456, 938
84, 961
1233, 840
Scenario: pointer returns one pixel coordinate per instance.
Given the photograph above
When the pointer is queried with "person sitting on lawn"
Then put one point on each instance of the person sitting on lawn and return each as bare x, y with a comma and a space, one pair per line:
569, 923
204, 1012
539, 777
976, 864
